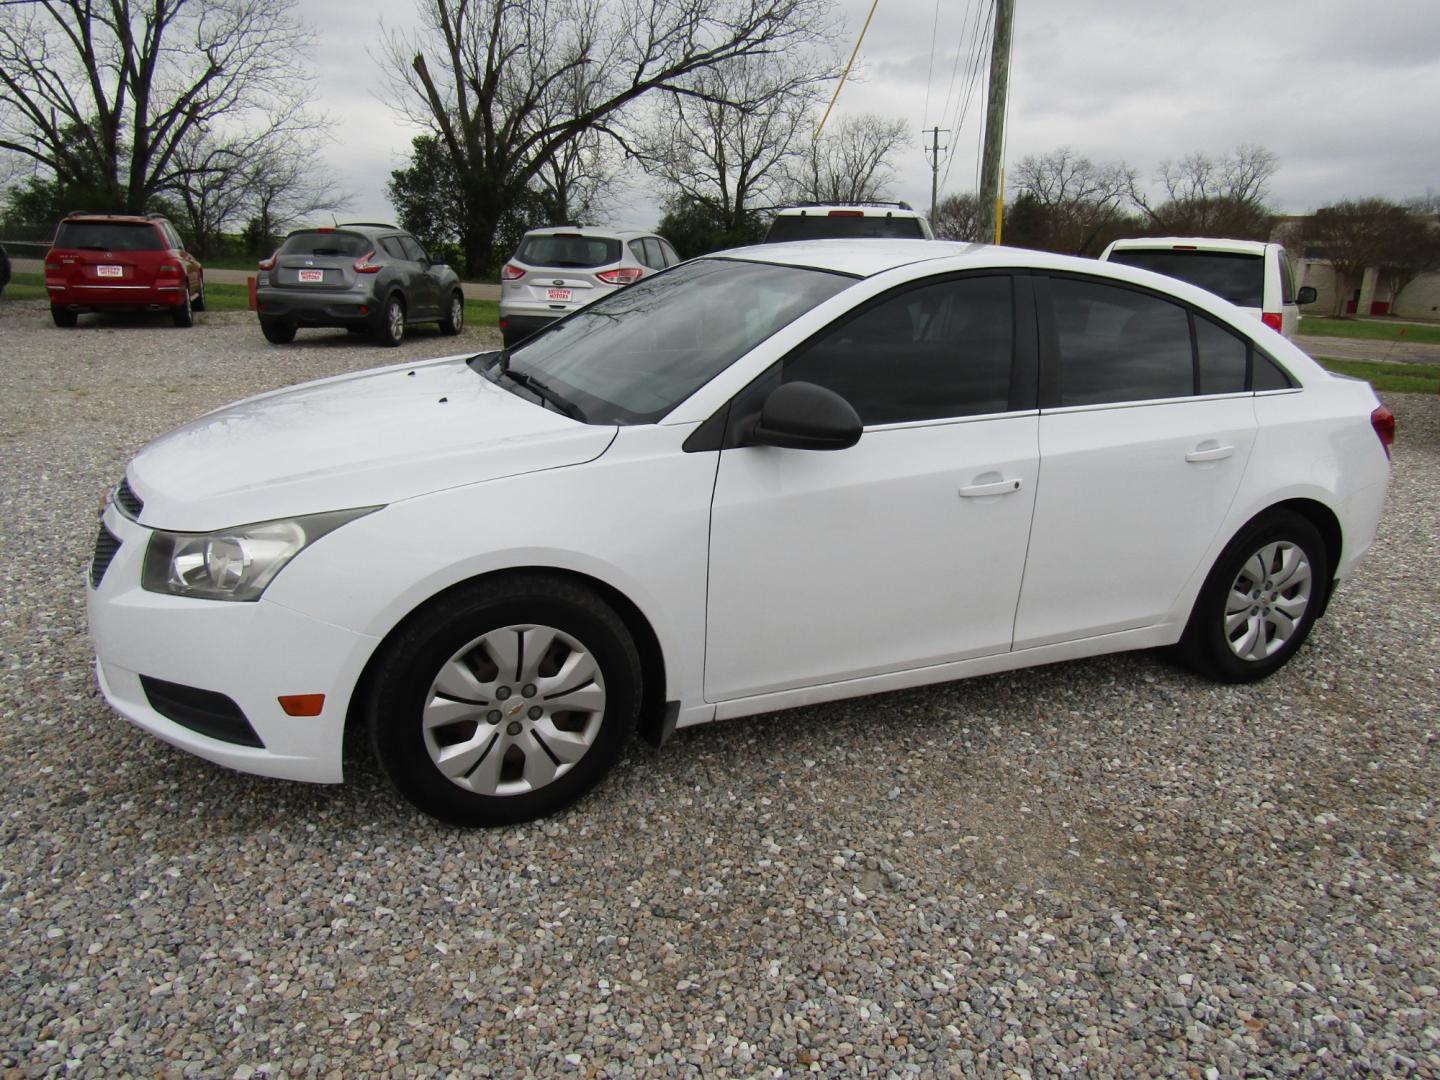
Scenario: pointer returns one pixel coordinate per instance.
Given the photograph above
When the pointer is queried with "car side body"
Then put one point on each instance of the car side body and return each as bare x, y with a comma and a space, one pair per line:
1046, 524
121, 262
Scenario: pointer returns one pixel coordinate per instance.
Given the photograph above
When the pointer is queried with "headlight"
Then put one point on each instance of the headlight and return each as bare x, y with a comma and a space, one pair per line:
234, 564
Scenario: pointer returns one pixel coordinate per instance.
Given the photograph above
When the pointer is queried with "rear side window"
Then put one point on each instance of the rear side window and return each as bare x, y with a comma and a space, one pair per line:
1223, 358
110, 236
391, 246
939, 351
823, 226
1119, 345
1287, 282
413, 251
327, 243
1235, 277
568, 251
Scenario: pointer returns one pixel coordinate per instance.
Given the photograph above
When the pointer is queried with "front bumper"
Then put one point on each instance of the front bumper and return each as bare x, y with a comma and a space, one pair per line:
252, 653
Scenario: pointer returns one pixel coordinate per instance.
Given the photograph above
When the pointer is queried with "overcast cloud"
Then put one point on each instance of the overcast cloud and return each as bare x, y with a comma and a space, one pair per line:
1345, 96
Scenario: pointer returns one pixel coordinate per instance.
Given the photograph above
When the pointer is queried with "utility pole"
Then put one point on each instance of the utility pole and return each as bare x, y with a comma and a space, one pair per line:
935, 165
995, 121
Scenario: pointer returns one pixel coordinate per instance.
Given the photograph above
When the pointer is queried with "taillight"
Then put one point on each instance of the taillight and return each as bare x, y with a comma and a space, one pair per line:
1383, 421
1272, 319
363, 265
623, 275
169, 268
268, 264
511, 272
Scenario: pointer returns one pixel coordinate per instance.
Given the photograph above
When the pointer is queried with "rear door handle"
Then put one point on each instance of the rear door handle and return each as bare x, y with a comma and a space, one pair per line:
1210, 450
997, 487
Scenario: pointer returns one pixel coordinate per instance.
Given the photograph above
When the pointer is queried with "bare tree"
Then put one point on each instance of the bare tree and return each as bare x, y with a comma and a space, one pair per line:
1354, 235
1213, 196
1075, 201
958, 217
110, 93
491, 78
721, 142
851, 162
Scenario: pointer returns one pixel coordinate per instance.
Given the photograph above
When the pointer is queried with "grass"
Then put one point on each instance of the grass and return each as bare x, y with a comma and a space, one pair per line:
1369, 330
235, 298
1394, 378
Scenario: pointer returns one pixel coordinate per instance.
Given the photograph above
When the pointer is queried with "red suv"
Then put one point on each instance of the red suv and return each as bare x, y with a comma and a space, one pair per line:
121, 262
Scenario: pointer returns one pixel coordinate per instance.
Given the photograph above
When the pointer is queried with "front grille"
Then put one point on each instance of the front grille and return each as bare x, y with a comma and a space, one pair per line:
131, 503
106, 545
204, 711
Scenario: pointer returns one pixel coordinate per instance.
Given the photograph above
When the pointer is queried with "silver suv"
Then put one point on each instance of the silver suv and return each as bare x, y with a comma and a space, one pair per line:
561, 268
361, 276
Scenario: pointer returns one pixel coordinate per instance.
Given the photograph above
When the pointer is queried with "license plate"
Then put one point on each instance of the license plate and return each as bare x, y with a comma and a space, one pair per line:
109, 271
557, 294
312, 275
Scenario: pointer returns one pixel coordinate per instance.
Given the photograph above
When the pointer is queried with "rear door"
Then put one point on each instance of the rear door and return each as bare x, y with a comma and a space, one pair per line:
421, 284
318, 261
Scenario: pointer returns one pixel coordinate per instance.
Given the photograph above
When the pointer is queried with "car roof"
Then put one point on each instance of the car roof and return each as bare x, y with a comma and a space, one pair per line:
589, 230
1198, 243
867, 209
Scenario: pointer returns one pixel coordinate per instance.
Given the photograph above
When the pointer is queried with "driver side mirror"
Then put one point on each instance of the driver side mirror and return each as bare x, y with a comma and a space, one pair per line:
1306, 295
804, 416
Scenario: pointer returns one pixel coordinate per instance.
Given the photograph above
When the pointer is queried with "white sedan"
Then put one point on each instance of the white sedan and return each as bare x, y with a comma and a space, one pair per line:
776, 476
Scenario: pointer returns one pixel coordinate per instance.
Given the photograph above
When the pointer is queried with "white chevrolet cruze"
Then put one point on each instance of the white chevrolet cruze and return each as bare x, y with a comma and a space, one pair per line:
777, 476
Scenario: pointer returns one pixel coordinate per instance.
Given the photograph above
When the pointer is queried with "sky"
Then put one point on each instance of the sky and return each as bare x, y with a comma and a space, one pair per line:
1347, 96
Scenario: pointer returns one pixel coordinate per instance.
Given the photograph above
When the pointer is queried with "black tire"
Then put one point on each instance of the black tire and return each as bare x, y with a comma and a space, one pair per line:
455, 626
277, 331
1207, 646
454, 320
184, 315
63, 318
199, 302
389, 330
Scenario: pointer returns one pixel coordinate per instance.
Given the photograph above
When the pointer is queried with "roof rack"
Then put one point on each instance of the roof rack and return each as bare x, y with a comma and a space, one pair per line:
367, 224
847, 202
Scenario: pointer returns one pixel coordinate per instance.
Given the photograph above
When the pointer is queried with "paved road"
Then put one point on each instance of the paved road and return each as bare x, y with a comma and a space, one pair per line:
473, 290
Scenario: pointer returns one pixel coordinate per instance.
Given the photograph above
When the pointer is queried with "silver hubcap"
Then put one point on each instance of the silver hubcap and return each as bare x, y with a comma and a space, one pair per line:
1267, 600
457, 313
514, 710
397, 321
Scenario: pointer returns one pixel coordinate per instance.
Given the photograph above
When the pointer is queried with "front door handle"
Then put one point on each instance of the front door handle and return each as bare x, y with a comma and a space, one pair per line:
1210, 450
996, 487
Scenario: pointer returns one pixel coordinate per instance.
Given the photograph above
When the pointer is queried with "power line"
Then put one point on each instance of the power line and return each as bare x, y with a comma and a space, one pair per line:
930, 74
972, 79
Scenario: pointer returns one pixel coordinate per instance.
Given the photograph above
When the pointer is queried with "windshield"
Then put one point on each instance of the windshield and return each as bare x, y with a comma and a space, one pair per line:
827, 227
1232, 276
632, 356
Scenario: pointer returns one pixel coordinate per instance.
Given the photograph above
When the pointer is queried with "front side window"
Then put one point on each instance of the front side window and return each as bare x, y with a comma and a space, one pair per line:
632, 356
413, 251
941, 350
1116, 344
391, 246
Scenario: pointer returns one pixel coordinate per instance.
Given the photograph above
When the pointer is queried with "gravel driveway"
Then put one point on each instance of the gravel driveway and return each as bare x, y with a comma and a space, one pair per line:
1104, 867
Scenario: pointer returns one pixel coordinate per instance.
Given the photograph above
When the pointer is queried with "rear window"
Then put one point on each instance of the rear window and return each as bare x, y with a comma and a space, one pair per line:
568, 251
1229, 275
110, 236
822, 226
327, 243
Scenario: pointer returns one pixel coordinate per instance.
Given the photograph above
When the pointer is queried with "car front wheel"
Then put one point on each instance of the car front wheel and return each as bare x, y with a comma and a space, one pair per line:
1260, 601
505, 701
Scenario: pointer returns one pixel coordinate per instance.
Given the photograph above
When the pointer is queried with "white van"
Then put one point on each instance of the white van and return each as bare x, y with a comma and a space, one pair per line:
1250, 274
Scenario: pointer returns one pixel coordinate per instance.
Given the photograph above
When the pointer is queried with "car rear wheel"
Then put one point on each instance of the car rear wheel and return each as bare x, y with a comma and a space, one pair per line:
63, 317
1260, 601
277, 331
184, 315
454, 320
505, 701
390, 330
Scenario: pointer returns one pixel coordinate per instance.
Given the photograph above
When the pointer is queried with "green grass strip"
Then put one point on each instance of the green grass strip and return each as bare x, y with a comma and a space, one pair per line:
1394, 378
1368, 330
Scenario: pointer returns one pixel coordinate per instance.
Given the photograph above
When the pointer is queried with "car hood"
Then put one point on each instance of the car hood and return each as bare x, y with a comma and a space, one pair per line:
354, 440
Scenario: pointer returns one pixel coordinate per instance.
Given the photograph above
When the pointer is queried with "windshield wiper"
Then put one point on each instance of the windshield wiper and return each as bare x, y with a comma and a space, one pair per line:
540, 389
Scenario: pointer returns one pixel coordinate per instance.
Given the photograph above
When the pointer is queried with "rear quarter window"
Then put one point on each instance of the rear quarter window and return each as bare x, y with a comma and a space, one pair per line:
568, 251
326, 243
1231, 276
822, 226
110, 235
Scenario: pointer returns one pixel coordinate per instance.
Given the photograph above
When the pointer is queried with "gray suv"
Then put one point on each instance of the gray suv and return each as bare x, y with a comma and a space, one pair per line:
360, 276
564, 267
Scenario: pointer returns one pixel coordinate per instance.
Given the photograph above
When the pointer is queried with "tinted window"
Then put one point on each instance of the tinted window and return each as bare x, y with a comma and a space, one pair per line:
1119, 345
568, 251
671, 258
637, 249
653, 256
391, 247
1223, 357
327, 242
937, 351
1287, 283
632, 356
1268, 375
413, 251
1237, 278
110, 236
821, 226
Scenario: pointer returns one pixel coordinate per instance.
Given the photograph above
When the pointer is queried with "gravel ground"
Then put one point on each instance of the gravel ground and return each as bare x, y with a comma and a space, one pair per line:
1105, 867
